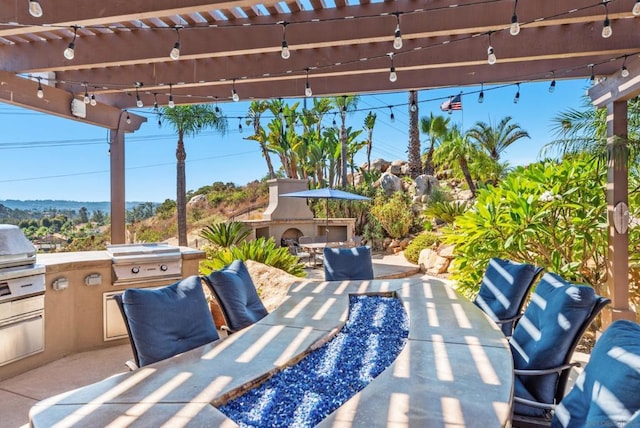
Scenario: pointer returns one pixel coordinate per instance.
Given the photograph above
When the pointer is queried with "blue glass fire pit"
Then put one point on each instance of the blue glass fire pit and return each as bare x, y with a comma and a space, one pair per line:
306, 392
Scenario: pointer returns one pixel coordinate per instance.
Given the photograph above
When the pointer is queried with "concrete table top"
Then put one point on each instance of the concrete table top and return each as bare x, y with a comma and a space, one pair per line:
455, 370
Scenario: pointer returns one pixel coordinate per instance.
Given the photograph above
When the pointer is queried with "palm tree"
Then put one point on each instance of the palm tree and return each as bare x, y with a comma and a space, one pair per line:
436, 128
495, 138
188, 121
345, 104
457, 149
255, 112
415, 164
369, 123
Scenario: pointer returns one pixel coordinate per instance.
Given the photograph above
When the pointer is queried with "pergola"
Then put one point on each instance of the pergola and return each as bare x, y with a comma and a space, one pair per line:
121, 60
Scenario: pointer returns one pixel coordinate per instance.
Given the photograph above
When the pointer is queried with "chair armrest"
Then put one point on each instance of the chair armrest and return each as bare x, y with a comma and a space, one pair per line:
536, 404
131, 365
541, 372
506, 320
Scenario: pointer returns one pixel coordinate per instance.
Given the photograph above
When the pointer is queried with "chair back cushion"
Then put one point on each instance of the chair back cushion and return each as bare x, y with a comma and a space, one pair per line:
347, 263
237, 295
546, 335
504, 288
167, 321
607, 392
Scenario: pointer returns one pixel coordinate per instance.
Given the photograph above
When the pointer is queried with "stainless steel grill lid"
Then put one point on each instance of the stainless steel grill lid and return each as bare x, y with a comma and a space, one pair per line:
15, 248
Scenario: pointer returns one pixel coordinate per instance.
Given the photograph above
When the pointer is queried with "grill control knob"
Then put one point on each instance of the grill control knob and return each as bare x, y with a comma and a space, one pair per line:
164, 268
135, 270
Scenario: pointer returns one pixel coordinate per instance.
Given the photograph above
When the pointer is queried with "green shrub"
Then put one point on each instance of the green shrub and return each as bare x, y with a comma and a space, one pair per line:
549, 214
419, 243
226, 234
446, 211
395, 214
260, 250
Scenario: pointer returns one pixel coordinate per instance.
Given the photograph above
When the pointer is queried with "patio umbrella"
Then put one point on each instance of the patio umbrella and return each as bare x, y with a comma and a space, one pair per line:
326, 193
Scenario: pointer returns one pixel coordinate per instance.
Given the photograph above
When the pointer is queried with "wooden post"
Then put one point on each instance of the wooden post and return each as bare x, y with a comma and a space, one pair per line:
617, 193
118, 210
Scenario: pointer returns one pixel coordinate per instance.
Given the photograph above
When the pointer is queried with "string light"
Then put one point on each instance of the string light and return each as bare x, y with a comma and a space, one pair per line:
171, 103
39, 91
481, 94
552, 85
592, 78
491, 56
86, 98
413, 107
393, 76
128, 118
624, 71
155, 101
334, 120
397, 35
285, 53
174, 54
307, 89
392, 117
240, 124
93, 101
70, 51
234, 94
514, 29
517, 97
607, 31
139, 102
636, 8
35, 9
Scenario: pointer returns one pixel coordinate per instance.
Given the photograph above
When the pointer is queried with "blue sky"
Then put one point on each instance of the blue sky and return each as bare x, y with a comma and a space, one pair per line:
44, 157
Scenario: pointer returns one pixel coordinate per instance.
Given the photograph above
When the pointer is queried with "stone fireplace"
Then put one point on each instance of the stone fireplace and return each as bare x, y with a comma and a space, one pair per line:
290, 218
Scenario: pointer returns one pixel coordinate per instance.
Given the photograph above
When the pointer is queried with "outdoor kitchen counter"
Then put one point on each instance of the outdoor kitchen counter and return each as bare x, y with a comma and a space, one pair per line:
455, 370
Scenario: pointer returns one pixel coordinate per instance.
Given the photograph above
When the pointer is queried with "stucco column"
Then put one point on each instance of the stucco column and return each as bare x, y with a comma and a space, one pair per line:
617, 193
118, 211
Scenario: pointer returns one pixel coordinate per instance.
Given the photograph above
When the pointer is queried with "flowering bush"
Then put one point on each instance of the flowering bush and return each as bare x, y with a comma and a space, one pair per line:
549, 214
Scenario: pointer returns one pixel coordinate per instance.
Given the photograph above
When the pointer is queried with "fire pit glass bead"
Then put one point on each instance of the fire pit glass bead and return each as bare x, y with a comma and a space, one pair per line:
304, 394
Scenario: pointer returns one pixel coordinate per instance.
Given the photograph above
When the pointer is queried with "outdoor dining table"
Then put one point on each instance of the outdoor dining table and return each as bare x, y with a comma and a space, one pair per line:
454, 370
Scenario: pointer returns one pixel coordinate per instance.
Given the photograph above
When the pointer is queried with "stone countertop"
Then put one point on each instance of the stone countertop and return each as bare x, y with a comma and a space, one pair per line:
456, 368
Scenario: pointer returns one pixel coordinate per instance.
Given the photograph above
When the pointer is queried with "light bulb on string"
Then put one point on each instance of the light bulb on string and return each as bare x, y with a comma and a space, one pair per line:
592, 78
171, 103
491, 55
240, 124
397, 34
285, 53
70, 51
552, 86
234, 95
607, 31
174, 54
128, 118
392, 117
636, 8
624, 71
86, 97
35, 9
413, 107
516, 99
514, 28
39, 91
307, 88
393, 76
93, 101
139, 102
481, 94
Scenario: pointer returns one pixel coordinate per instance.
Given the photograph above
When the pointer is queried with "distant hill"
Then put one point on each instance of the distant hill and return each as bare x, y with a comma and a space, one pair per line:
48, 204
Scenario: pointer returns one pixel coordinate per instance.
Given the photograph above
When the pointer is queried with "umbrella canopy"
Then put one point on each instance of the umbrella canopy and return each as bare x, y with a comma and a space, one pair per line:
326, 193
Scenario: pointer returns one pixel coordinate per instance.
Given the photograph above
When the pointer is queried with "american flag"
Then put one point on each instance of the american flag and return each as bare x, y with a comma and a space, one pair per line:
453, 103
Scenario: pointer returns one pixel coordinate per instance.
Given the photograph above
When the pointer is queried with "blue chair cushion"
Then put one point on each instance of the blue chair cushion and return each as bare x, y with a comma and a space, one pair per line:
237, 294
545, 335
504, 287
347, 263
607, 393
167, 321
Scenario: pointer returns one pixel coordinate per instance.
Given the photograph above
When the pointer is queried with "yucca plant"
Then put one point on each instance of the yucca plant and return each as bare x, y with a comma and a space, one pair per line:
260, 250
225, 234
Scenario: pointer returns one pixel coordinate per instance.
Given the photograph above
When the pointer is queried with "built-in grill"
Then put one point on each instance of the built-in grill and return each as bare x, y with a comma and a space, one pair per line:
137, 263
22, 287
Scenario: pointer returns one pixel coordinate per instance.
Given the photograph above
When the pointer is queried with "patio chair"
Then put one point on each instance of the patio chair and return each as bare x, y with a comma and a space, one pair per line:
503, 291
237, 296
347, 263
163, 322
606, 394
543, 342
